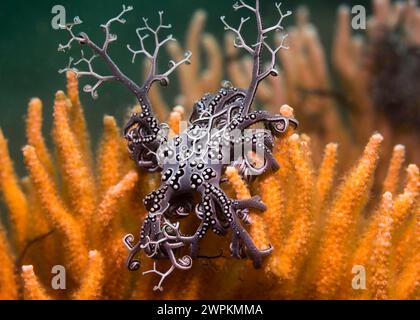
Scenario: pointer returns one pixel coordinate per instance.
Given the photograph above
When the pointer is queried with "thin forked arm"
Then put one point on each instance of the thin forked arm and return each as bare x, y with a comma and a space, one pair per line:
99, 51
116, 74
255, 50
148, 31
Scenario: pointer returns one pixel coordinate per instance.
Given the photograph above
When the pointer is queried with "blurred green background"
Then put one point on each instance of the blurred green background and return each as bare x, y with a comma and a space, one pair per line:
29, 60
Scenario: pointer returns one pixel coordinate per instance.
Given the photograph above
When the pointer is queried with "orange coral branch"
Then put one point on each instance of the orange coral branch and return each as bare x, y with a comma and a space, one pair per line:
34, 134
57, 213
117, 280
33, 289
212, 76
8, 284
257, 231
39, 225
240, 187
325, 179
406, 201
393, 176
195, 29
109, 159
294, 251
350, 199
77, 119
109, 205
76, 175
380, 259
407, 285
273, 196
175, 119
13, 195
91, 284
402, 207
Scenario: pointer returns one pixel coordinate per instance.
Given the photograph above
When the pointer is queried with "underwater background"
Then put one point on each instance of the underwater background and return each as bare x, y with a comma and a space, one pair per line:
29, 60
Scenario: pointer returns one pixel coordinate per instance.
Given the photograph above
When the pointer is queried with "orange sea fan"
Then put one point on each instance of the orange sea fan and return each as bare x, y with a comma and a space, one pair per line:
110, 155
13, 195
33, 289
76, 173
91, 285
34, 134
77, 119
294, 249
76, 242
379, 262
341, 221
318, 230
8, 278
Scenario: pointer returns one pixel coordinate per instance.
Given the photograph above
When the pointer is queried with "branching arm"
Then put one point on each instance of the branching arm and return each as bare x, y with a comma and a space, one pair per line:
271, 70
148, 31
255, 50
116, 74
100, 79
239, 40
278, 26
242, 5
99, 51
